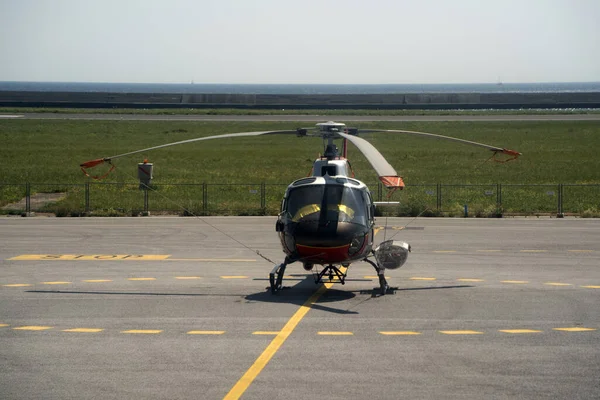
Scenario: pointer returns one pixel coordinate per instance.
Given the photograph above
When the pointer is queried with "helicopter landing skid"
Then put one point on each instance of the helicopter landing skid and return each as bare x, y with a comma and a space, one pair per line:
384, 288
331, 271
276, 277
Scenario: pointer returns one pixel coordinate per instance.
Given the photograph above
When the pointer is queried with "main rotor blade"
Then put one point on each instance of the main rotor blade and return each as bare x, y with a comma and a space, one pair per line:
387, 174
436, 136
229, 135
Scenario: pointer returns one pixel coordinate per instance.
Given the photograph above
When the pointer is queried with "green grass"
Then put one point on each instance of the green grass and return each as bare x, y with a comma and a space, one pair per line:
49, 152
251, 111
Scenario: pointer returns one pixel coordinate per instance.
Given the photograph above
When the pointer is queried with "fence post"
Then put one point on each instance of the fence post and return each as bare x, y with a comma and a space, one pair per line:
87, 198
439, 197
379, 192
263, 201
499, 210
27, 199
560, 213
204, 199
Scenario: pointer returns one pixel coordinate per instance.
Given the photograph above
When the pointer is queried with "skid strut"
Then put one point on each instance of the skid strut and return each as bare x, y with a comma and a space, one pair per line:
276, 277
383, 285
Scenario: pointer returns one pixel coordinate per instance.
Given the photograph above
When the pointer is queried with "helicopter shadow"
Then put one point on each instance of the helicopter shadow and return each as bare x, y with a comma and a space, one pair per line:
299, 293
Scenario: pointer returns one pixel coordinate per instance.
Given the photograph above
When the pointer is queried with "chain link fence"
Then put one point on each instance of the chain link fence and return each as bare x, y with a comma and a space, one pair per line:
127, 199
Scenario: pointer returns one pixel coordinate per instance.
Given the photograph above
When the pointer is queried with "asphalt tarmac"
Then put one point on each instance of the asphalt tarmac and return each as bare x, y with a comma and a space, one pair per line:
177, 308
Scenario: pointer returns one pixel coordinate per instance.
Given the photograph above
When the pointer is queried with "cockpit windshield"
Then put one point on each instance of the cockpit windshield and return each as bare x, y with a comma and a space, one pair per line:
344, 204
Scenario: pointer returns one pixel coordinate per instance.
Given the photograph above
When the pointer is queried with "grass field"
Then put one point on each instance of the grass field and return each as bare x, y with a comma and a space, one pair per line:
47, 154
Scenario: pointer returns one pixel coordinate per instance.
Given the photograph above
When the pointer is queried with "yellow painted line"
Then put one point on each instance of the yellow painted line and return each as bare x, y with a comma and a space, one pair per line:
141, 279
214, 259
187, 277
330, 333
246, 380
461, 332
533, 251
444, 251
266, 333
84, 330
469, 280
399, 333
234, 277
519, 331
575, 329
419, 278
97, 280
17, 285
558, 284
206, 332
3, 325
591, 287
57, 283
33, 328
516, 282
90, 257
376, 230
143, 331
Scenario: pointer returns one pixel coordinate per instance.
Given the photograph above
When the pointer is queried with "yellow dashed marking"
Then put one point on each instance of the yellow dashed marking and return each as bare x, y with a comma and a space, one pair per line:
591, 287
89, 257
56, 283
399, 333
234, 277
206, 332
557, 284
84, 330
469, 280
148, 331
141, 279
17, 285
3, 325
516, 282
97, 280
419, 278
575, 329
519, 331
461, 332
33, 328
266, 333
187, 277
327, 333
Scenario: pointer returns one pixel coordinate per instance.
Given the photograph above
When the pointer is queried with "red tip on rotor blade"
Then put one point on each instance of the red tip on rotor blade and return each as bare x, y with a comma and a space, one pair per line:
392, 181
511, 152
92, 163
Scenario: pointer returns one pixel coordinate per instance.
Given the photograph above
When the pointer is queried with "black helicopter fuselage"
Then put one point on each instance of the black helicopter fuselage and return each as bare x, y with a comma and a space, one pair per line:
326, 220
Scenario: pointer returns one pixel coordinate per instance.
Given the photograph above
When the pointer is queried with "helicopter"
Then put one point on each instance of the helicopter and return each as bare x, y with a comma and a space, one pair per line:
328, 218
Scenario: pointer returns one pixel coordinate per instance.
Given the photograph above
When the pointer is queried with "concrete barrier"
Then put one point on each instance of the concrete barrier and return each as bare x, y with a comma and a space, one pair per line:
302, 101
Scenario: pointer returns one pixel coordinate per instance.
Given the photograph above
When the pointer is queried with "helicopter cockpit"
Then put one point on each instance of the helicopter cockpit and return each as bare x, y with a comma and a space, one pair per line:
327, 203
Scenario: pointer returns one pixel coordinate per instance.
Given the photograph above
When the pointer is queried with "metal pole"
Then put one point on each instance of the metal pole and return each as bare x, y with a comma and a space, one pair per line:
204, 199
27, 198
560, 201
498, 200
87, 198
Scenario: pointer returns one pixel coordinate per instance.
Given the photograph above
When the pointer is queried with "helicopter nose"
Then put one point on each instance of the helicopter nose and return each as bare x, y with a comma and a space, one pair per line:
332, 234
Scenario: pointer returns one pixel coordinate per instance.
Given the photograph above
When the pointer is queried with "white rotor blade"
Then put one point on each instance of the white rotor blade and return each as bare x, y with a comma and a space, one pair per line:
93, 163
379, 163
435, 136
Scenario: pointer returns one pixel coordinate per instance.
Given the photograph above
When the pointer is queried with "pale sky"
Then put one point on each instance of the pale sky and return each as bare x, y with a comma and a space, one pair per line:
300, 41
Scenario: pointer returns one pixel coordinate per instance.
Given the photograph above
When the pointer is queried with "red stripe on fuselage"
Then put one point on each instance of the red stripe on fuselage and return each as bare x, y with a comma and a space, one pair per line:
323, 255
